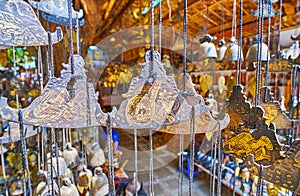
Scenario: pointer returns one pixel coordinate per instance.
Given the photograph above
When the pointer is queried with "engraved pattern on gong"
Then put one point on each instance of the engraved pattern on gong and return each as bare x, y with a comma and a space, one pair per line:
20, 26
283, 172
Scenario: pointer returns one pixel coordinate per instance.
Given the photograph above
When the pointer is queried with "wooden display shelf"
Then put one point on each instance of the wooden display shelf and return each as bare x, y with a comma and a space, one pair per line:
225, 183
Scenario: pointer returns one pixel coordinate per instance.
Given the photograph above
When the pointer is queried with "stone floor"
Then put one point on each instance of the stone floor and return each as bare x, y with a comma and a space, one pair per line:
166, 174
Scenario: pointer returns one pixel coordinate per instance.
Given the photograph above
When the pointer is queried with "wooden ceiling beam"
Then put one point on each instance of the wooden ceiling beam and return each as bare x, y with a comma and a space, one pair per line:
117, 11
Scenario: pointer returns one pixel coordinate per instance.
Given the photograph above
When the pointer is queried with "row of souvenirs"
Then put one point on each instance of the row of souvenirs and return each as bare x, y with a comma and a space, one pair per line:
236, 175
79, 167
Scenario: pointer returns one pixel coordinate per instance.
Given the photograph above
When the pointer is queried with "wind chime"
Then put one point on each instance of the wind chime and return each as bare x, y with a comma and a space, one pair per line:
256, 125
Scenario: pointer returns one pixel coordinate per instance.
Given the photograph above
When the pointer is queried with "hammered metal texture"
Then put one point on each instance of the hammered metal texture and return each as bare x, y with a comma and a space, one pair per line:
21, 27
56, 8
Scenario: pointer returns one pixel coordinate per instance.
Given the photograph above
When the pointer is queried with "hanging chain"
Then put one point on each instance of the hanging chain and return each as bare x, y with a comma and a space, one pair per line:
268, 44
279, 26
212, 178
219, 171
25, 167
184, 45
110, 156
71, 35
160, 29
260, 182
239, 63
51, 63
259, 55
233, 32
151, 188
180, 174
55, 138
192, 150
15, 74
78, 35
51, 176
135, 160
40, 71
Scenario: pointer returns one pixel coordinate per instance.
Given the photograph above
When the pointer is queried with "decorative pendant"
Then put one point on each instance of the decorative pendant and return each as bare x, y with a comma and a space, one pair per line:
248, 131
56, 11
84, 180
232, 52
283, 172
265, 9
99, 184
56, 108
21, 27
67, 188
272, 109
153, 101
221, 50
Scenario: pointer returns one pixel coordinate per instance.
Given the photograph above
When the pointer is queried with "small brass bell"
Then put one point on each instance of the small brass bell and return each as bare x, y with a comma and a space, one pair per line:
221, 50
207, 48
68, 189
232, 52
99, 183
84, 180
252, 54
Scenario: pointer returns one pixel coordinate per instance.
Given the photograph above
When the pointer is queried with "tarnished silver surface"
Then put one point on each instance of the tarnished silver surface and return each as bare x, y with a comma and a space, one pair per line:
56, 7
154, 101
265, 9
56, 108
21, 27
221, 50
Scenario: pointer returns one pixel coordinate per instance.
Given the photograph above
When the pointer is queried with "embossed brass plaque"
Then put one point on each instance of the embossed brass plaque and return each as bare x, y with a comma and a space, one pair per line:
283, 172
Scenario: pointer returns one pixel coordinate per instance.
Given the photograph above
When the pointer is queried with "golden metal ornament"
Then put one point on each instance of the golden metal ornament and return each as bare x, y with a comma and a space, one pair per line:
206, 81
283, 172
248, 131
272, 109
221, 84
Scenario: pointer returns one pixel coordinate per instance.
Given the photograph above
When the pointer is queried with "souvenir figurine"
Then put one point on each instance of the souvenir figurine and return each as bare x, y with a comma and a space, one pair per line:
70, 155
68, 189
84, 181
99, 186
95, 155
